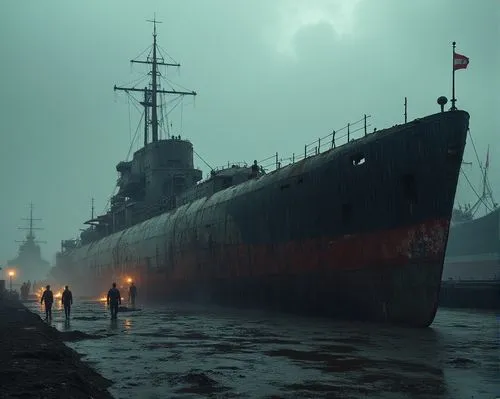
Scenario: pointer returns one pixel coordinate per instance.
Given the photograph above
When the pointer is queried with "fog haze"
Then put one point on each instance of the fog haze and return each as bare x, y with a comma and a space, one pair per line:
270, 76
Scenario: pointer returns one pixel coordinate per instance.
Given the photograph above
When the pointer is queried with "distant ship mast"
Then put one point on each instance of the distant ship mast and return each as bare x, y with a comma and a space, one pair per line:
30, 236
150, 94
486, 198
29, 262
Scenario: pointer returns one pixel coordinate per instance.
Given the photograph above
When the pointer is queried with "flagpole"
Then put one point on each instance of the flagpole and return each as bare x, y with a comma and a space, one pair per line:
453, 99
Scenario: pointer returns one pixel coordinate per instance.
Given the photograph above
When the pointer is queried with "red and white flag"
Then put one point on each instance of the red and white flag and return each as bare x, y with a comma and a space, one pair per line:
460, 61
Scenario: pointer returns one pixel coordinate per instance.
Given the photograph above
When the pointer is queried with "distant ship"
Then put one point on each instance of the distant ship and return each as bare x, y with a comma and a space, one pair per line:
355, 231
471, 275
29, 265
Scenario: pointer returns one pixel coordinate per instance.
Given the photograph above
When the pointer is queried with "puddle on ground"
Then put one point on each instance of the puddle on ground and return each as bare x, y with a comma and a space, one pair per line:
185, 350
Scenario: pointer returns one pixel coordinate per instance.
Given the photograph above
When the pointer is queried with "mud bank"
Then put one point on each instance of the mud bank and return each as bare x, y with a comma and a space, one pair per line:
35, 362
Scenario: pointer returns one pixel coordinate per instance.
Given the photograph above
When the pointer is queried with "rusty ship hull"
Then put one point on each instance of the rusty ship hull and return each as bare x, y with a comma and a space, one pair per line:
357, 232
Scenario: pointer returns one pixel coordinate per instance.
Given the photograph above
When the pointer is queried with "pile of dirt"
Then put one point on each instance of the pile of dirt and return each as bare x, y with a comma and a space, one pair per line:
35, 363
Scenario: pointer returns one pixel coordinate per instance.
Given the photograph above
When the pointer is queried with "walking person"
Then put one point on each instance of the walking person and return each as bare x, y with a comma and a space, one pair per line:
48, 298
132, 293
67, 301
114, 299
23, 291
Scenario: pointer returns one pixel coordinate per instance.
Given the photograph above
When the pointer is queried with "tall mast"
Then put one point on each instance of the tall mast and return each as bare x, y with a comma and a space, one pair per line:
150, 95
154, 116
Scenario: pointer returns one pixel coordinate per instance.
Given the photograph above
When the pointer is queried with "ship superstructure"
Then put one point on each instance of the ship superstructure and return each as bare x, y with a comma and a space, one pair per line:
357, 230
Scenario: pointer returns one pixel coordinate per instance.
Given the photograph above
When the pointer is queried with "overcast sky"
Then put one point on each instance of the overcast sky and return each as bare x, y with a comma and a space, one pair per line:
270, 76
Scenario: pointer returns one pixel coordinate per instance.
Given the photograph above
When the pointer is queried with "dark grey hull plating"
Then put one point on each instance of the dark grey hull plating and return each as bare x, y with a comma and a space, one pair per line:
327, 235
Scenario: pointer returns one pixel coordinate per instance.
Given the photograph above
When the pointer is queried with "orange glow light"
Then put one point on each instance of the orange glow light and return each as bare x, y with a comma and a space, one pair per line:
129, 280
12, 273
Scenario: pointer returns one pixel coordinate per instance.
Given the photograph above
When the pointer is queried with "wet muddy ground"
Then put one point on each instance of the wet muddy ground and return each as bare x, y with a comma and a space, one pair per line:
187, 350
35, 363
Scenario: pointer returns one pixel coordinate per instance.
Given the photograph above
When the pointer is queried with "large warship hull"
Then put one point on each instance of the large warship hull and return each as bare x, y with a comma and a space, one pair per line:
357, 232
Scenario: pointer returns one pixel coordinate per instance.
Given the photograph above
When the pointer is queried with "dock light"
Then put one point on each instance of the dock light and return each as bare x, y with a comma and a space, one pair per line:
12, 273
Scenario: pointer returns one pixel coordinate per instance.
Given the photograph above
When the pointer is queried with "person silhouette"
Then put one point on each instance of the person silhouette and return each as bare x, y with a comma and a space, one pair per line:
132, 293
48, 298
67, 301
114, 299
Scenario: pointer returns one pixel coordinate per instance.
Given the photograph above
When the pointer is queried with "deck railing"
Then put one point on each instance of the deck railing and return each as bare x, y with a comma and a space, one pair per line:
320, 145
240, 164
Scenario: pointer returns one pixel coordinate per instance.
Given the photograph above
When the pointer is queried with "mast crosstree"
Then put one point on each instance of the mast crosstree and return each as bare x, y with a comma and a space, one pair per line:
30, 236
150, 100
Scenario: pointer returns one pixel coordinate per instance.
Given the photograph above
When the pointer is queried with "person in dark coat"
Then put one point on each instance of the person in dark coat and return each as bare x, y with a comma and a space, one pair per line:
132, 293
48, 298
67, 301
114, 299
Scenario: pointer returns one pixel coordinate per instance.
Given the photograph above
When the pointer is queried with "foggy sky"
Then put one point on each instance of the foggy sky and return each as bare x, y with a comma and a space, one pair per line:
270, 76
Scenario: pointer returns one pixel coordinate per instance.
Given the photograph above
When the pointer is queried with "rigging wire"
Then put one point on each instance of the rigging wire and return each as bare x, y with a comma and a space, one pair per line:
135, 136
135, 82
475, 151
486, 181
143, 51
205, 162
480, 198
129, 121
128, 154
177, 84
163, 127
165, 114
182, 112
161, 49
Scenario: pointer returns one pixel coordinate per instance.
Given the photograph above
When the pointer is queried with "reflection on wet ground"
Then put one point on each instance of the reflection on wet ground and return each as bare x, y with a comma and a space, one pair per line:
183, 350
